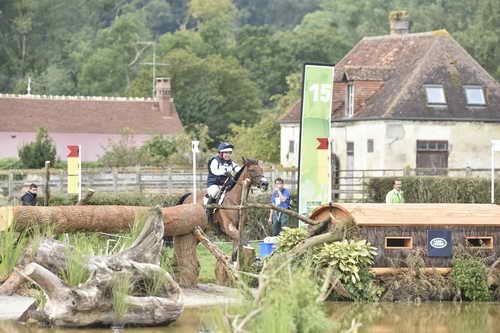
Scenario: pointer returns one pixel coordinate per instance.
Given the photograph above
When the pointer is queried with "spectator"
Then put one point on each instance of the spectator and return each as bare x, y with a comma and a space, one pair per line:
280, 198
29, 198
395, 196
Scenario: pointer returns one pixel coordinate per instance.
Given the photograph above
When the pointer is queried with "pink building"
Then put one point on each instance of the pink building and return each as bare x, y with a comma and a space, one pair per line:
88, 121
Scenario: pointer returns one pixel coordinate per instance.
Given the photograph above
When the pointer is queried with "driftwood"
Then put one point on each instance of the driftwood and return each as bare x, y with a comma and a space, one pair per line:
90, 303
86, 198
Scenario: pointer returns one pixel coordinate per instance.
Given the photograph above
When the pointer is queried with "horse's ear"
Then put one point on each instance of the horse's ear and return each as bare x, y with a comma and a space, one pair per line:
244, 160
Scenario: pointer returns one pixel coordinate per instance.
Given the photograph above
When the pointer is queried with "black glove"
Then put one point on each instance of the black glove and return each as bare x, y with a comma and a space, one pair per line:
230, 183
228, 174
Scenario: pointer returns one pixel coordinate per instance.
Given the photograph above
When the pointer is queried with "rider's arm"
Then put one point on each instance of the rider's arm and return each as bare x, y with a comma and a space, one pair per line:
216, 168
236, 167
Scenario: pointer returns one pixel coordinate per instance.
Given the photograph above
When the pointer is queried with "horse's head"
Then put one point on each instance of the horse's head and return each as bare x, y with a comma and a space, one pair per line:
255, 173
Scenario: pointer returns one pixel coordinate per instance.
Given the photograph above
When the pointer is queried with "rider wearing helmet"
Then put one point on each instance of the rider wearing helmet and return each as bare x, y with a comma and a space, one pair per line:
220, 171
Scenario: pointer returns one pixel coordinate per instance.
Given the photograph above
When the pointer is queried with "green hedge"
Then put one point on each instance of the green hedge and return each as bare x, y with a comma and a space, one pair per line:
432, 189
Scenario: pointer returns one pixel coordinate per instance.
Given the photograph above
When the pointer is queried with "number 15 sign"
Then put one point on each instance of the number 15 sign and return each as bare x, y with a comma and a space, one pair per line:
315, 152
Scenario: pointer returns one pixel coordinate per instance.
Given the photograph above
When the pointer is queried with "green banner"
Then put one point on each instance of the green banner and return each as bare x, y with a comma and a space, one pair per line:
315, 153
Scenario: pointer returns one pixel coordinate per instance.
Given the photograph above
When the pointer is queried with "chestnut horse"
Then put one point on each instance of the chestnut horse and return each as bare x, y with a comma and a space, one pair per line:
227, 220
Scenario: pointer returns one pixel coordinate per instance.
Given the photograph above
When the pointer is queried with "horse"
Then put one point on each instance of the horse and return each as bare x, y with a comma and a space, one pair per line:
227, 220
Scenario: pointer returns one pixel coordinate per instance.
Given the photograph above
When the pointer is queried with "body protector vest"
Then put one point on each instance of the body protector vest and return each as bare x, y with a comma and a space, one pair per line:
222, 164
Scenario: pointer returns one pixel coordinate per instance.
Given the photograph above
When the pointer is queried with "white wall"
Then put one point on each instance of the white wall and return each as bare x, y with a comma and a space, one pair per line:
395, 142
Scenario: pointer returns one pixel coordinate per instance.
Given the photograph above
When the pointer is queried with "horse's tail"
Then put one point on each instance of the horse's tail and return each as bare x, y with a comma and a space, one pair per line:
182, 199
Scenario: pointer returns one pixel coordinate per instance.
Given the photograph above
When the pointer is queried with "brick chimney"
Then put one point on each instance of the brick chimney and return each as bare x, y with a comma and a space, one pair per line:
163, 89
399, 22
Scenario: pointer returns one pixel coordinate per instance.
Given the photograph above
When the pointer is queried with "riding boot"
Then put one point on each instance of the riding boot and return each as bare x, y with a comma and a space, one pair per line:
210, 211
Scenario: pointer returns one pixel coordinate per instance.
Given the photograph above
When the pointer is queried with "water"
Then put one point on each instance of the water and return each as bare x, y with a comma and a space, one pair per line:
373, 318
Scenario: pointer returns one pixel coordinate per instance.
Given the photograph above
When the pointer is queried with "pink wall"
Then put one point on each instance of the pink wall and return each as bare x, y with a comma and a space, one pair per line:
92, 144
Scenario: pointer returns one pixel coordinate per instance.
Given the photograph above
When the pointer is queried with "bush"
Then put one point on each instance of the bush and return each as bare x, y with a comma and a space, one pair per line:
351, 260
427, 189
10, 163
33, 155
470, 275
289, 238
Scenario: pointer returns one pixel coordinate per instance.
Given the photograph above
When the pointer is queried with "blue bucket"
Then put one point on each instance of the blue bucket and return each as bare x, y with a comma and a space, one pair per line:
265, 249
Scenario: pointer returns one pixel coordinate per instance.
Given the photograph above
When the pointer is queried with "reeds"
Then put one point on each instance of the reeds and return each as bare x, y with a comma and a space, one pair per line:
12, 245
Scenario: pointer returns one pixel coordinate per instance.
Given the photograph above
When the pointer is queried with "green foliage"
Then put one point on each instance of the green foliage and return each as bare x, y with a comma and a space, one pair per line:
288, 306
261, 141
470, 275
348, 256
124, 152
33, 155
427, 189
351, 260
160, 148
10, 163
12, 246
76, 271
121, 286
289, 238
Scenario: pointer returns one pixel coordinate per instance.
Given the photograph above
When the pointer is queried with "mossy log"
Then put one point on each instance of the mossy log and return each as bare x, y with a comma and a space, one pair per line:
91, 303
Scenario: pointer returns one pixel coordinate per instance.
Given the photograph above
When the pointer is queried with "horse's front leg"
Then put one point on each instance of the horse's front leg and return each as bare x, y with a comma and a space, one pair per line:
234, 234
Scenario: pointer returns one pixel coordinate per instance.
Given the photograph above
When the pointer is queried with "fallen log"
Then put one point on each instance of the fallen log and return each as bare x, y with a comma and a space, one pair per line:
91, 303
178, 220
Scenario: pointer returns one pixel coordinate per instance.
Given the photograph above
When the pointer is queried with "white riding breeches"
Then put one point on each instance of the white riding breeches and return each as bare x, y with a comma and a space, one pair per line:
212, 190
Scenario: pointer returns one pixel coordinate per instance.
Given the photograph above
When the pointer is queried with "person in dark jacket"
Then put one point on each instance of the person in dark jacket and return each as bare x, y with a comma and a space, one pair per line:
220, 171
29, 198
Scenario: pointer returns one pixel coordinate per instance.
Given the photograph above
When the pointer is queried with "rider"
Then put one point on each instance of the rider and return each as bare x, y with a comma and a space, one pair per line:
220, 171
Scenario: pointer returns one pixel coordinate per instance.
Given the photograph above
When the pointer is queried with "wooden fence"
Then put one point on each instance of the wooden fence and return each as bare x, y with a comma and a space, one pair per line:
348, 185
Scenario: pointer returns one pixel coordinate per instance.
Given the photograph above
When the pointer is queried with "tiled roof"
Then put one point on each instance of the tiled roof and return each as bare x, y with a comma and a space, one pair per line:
403, 64
66, 114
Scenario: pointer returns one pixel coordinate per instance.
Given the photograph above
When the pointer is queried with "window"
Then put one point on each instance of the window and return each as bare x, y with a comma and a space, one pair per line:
291, 146
350, 148
479, 242
432, 157
435, 94
398, 242
474, 95
349, 101
369, 146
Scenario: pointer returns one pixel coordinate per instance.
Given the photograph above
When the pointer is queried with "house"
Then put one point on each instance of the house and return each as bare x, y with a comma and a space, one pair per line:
415, 100
88, 121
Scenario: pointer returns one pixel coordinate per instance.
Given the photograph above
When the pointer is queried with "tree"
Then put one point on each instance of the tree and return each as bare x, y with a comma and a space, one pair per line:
33, 155
160, 148
124, 152
215, 91
261, 141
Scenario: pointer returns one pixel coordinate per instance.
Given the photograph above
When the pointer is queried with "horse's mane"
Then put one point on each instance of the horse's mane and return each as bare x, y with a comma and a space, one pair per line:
248, 162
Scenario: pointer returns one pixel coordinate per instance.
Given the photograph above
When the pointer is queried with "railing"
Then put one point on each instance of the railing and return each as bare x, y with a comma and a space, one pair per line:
347, 185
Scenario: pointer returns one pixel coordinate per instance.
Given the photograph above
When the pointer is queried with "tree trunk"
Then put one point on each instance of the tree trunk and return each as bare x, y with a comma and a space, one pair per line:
91, 303
187, 266
178, 220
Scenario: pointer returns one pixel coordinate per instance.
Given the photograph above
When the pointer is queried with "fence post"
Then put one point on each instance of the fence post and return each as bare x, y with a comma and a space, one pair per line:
115, 180
139, 180
11, 187
169, 182
62, 174
47, 183
363, 194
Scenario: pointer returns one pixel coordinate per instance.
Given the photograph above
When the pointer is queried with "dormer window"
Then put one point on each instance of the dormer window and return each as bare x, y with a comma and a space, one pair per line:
474, 95
435, 94
349, 100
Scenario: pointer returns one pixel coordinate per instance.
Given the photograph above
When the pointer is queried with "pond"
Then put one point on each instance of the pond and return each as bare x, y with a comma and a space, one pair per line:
373, 318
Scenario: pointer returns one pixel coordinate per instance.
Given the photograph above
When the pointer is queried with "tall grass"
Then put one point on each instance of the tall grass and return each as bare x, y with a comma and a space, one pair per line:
12, 247
289, 305
76, 271
121, 286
